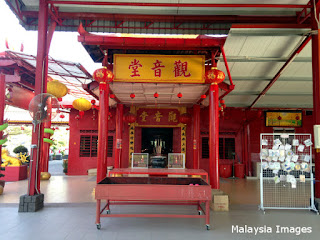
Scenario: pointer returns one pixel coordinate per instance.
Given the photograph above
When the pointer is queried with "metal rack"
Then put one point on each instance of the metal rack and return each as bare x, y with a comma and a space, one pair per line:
276, 192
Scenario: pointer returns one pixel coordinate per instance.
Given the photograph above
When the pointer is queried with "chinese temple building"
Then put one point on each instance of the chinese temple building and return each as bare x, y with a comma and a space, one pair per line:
183, 85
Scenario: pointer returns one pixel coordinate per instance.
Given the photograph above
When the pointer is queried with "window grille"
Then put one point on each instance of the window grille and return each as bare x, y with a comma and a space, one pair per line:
89, 146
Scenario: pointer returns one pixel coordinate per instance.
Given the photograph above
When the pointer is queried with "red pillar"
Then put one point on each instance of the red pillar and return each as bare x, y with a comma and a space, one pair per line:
245, 148
316, 96
214, 136
2, 103
196, 136
119, 127
40, 87
44, 161
103, 131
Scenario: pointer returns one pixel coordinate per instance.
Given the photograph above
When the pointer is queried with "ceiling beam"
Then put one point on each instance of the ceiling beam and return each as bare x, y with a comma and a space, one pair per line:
281, 79
275, 78
282, 94
263, 59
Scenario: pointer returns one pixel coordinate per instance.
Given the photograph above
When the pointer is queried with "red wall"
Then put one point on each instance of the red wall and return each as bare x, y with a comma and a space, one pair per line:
79, 165
233, 124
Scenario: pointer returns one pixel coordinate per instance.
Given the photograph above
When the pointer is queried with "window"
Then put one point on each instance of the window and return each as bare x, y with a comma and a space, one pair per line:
205, 147
226, 148
110, 146
89, 146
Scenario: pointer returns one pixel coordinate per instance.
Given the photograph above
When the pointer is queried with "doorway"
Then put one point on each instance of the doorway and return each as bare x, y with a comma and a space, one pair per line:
157, 141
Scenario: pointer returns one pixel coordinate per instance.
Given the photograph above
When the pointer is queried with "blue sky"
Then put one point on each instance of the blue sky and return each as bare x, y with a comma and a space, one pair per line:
64, 46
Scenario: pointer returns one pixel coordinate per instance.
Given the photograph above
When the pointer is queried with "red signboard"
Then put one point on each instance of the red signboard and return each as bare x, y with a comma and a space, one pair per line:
154, 116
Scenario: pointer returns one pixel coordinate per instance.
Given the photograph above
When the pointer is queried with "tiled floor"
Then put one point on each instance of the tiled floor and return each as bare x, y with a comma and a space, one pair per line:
69, 213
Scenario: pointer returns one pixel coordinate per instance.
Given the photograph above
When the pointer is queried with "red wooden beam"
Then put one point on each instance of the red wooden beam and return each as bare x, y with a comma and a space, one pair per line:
185, 5
150, 43
226, 65
275, 78
172, 18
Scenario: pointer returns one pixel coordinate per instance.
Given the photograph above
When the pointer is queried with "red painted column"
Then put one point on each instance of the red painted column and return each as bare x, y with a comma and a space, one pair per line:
214, 136
2, 103
119, 128
245, 148
316, 96
40, 87
103, 131
196, 136
44, 161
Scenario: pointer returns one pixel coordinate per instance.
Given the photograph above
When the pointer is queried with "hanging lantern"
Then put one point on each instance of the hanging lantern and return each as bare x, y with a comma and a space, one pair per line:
103, 75
297, 118
279, 118
81, 104
67, 129
57, 89
60, 99
156, 95
185, 118
214, 76
179, 95
222, 101
130, 117
93, 102
132, 95
77, 117
112, 96
57, 128
62, 116
22, 128
203, 96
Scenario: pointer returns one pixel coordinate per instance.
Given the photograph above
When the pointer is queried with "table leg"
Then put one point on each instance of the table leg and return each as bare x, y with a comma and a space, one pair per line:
208, 215
98, 214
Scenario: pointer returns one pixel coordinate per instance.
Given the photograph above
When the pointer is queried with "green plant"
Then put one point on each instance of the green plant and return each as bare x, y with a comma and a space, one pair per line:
20, 149
22, 153
65, 165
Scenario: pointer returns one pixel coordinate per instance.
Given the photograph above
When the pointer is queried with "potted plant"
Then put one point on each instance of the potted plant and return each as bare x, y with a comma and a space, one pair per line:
65, 165
22, 153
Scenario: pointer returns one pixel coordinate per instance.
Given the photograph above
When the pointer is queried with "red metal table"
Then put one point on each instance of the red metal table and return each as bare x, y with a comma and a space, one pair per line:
159, 171
153, 191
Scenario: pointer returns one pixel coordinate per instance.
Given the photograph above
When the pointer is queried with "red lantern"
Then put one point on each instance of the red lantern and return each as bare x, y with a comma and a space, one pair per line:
223, 105
59, 99
279, 118
185, 118
112, 96
222, 101
57, 128
297, 118
93, 102
103, 75
214, 76
77, 117
203, 96
130, 118
132, 95
179, 95
61, 116
22, 128
156, 95
67, 129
